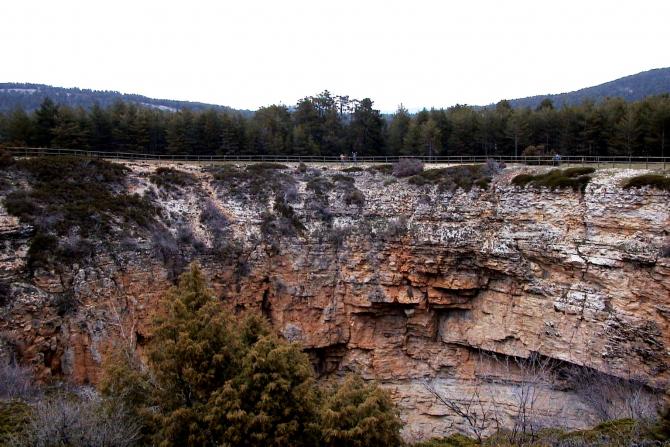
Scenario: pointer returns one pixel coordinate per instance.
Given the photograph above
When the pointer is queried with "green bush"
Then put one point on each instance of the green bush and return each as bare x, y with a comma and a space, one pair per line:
265, 166
573, 178
170, 178
351, 194
76, 193
14, 419
656, 181
386, 169
456, 440
283, 222
257, 182
73, 169
354, 197
454, 177
578, 171
41, 249
356, 414
353, 169
20, 204
69, 199
343, 179
320, 186
620, 432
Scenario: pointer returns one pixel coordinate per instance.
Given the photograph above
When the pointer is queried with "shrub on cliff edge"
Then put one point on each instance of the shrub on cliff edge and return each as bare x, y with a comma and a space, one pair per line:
406, 167
656, 181
573, 178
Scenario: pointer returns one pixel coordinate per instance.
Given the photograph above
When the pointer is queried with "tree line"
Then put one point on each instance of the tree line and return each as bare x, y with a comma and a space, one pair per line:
330, 125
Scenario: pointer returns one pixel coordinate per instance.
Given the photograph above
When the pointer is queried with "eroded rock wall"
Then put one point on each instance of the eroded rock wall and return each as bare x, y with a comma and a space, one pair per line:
415, 288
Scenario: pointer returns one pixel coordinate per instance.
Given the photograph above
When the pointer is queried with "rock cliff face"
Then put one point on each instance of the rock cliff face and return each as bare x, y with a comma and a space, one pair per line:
419, 289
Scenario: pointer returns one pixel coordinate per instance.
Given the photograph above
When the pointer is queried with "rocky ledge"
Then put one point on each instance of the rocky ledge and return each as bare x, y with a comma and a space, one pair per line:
439, 295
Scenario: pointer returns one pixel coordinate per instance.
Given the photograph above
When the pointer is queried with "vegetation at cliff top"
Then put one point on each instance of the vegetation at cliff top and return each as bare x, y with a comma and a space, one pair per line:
73, 198
170, 178
574, 178
353, 169
454, 177
655, 181
406, 167
73, 192
256, 181
386, 169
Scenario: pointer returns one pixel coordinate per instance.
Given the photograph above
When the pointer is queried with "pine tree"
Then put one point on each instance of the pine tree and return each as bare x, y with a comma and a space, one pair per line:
271, 402
195, 350
45, 121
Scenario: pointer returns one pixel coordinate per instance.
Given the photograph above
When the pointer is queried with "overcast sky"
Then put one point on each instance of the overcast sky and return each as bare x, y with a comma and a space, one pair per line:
250, 53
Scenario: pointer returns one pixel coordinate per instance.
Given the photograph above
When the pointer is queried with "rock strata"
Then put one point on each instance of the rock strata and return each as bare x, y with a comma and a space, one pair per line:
414, 287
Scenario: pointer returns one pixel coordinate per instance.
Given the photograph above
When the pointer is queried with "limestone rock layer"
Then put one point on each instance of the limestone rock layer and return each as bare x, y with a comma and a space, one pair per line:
413, 287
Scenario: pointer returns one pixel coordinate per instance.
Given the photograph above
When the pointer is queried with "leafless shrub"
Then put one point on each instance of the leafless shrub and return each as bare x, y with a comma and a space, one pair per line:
73, 246
5, 293
79, 421
290, 193
665, 250
479, 414
129, 243
613, 397
337, 236
482, 414
406, 167
16, 382
167, 250
536, 375
494, 167
394, 228
354, 197
212, 217
185, 234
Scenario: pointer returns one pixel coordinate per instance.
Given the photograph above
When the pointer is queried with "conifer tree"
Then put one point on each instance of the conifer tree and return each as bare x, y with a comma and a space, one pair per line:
359, 415
195, 350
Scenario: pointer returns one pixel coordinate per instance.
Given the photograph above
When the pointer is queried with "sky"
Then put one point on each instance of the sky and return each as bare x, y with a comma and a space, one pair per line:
251, 53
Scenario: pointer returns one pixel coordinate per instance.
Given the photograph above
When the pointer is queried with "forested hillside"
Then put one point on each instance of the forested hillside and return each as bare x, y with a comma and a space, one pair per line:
326, 124
630, 88
29, 97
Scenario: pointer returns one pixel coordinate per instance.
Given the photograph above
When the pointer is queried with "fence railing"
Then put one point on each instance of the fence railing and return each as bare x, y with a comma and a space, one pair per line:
631, 161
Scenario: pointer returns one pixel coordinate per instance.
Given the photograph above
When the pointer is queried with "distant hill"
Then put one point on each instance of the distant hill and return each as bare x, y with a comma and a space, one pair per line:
30, 96
630, 88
